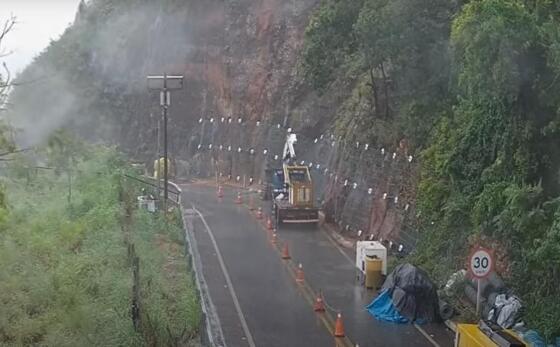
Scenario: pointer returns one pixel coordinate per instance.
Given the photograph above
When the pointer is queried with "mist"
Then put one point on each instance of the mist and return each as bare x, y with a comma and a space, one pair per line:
88, 79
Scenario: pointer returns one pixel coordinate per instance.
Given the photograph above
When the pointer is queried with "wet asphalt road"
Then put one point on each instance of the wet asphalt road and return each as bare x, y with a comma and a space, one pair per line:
264, 306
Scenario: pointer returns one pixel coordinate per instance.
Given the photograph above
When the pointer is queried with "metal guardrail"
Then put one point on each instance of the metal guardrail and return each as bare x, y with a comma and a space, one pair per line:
173, 190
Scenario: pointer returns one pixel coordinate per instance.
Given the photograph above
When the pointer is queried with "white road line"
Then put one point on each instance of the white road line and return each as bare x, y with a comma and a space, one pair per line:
213, 326
426, 335
229, 283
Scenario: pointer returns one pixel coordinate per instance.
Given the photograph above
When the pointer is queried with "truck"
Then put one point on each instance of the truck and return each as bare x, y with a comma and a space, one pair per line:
291, 190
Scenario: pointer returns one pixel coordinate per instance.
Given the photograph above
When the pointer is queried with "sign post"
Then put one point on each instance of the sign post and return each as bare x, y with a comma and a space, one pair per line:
480, 266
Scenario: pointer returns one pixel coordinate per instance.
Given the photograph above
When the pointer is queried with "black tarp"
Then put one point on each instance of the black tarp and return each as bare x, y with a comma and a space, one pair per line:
413, 293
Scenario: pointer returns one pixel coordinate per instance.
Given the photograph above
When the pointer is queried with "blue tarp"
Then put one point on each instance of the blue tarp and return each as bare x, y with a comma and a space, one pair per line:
408, 295
382, 308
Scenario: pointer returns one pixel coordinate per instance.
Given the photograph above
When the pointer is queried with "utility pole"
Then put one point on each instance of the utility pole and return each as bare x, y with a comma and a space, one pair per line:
158, 153
165, 84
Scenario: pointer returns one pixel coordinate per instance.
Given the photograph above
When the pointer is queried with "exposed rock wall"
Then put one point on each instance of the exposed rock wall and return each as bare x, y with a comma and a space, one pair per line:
243, 64
240, 61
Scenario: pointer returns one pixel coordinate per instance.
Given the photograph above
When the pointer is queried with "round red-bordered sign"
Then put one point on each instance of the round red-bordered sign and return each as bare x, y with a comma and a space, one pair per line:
481, 262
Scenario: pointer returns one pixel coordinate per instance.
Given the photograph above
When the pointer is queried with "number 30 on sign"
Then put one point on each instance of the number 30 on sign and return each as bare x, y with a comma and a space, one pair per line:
481, 262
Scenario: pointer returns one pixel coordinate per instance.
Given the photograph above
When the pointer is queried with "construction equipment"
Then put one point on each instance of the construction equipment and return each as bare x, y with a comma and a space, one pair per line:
159, 168
291, 189
485, 334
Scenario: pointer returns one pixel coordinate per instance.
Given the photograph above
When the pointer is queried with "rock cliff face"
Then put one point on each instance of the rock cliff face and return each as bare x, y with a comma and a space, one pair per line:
240, 61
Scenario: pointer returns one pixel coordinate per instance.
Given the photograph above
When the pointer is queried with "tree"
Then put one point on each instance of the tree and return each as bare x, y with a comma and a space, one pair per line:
329, 41
5, 77
63, 152
405, 46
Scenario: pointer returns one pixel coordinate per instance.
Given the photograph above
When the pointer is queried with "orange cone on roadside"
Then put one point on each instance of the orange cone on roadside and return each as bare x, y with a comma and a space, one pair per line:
274, 239
238, 200
269, 224
220, 192
285, 252
300, 277
259, 213
339, 327
319, 305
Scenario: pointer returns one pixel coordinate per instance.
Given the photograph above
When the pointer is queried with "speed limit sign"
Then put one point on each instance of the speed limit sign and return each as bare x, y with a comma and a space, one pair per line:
481, 262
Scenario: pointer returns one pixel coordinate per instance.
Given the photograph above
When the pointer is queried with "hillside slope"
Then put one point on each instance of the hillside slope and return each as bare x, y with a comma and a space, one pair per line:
435, 126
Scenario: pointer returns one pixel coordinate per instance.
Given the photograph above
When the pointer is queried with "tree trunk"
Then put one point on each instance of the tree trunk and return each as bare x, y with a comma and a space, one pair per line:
375, 103
385, 90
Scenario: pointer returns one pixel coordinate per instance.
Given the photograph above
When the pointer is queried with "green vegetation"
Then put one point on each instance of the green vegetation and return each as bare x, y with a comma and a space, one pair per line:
66, 278
473, 87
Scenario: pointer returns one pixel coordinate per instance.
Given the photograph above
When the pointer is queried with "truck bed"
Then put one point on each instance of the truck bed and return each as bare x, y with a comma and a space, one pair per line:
287, 213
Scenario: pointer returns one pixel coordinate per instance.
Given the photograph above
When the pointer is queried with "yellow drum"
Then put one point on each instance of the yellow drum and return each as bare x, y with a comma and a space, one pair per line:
159, 166
373, 267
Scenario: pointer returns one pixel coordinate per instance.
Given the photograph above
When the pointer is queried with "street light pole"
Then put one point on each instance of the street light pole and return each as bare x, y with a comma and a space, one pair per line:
165, 84
165, 168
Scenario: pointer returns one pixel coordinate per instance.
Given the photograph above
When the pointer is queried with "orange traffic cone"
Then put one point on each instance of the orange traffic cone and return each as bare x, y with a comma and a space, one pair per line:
220, 192
319, 305
259, 213
286, 252
339, 327
238, 200
269, 224
274, 239
300, 277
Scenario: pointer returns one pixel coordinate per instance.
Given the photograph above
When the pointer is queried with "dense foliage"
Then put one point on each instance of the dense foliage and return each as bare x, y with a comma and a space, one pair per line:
65, 278
473, 86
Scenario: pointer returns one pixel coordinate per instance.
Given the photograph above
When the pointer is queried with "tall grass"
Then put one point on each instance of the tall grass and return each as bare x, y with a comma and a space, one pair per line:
65, 279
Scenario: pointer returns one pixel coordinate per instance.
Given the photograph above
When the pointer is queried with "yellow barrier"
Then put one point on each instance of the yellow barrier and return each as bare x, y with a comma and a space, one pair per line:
469, 335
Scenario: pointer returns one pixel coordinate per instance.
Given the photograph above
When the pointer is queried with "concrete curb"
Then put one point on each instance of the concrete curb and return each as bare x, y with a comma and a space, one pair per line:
341, 240
451, 325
